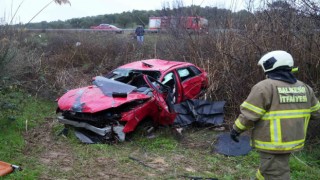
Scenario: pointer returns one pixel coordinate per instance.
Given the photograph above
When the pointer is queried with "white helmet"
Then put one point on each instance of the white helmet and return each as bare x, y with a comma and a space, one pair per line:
275, 59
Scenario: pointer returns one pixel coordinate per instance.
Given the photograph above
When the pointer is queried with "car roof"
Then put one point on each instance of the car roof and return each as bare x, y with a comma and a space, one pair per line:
153, 64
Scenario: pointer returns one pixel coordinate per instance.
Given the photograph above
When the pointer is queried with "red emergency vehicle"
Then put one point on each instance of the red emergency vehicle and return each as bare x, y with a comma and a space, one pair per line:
194, 23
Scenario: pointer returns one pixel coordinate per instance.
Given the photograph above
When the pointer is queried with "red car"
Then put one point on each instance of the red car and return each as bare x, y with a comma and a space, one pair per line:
117, 102
107, 27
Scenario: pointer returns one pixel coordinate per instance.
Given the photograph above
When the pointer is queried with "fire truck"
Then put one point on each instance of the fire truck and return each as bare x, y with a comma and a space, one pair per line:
191, 23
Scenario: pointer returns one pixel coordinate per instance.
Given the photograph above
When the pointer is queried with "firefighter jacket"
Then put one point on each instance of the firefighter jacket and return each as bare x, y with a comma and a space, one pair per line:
278, 114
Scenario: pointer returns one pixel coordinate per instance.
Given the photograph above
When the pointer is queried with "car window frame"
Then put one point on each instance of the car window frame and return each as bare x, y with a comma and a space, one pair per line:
190, 71
172, 72
193, 68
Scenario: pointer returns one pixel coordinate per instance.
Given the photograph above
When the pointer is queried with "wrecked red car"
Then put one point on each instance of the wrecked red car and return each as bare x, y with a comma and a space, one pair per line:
117, 102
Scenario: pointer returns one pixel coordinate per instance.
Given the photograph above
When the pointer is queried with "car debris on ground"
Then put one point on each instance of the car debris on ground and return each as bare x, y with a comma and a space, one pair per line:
226, 146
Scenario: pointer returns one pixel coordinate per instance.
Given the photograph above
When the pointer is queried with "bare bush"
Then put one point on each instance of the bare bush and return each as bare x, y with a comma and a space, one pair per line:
230, 55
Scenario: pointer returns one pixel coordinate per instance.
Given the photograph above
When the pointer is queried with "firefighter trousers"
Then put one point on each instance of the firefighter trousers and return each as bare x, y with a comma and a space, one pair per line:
273, 167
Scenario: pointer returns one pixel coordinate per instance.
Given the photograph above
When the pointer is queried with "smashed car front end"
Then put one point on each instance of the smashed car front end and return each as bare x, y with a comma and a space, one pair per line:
110, 125
107, 110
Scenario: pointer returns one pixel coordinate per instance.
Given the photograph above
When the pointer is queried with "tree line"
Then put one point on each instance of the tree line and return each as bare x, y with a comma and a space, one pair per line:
130, 19
218, 18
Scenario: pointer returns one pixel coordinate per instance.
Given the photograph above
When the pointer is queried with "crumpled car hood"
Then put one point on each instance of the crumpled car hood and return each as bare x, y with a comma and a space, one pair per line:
99, 96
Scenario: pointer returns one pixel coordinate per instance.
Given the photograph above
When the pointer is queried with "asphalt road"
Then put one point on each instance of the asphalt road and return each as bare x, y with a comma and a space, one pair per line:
90, 30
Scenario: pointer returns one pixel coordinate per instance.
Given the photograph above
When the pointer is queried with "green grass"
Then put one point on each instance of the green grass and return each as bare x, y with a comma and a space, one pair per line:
306, 163
19, 113
161, 157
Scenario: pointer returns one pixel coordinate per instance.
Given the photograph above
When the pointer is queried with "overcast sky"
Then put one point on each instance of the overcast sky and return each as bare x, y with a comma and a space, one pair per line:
83, 8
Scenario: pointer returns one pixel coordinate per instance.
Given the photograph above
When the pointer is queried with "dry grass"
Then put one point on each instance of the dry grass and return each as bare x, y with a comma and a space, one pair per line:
229, 57
49, 63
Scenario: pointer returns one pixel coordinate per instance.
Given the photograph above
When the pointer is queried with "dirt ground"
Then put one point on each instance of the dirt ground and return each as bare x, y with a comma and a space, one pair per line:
62, 161
58, 157
51, 153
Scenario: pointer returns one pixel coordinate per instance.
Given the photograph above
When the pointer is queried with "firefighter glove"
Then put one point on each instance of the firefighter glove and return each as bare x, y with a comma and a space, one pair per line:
234, 135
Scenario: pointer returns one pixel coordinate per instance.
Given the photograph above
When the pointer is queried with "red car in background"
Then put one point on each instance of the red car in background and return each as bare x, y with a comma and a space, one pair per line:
117, 102
107, 27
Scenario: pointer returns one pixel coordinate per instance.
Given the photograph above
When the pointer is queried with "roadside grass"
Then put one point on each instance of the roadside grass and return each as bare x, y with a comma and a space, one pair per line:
306, 164
164, 156
19, 113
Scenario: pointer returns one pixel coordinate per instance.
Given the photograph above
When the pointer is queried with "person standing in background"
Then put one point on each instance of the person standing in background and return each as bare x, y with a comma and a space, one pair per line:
140, 34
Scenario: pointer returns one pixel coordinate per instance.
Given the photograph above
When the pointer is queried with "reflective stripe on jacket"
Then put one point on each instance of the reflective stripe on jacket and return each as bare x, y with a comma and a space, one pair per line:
278, 113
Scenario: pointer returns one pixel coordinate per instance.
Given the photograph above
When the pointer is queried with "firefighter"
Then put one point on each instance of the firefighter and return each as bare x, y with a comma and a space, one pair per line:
278, 110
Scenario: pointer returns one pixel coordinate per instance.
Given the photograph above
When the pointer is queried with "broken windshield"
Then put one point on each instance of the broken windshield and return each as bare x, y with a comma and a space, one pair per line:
110, 87
124, 75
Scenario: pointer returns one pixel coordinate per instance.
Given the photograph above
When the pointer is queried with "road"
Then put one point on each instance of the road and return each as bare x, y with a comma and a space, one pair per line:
89, 30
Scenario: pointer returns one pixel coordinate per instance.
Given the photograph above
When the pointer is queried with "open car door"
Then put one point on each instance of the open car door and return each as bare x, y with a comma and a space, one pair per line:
161, 92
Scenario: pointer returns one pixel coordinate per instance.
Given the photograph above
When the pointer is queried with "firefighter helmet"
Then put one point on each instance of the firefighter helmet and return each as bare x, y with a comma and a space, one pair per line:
276, 59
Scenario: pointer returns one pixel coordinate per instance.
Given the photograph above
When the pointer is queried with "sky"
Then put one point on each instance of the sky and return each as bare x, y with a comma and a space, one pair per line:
26, 9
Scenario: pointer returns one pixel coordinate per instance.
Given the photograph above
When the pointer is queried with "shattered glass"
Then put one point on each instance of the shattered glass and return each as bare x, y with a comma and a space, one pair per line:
109, 86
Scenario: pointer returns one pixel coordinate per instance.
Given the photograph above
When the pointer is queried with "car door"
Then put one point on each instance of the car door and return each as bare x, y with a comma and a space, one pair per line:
170, 79
166, 115
191, 82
